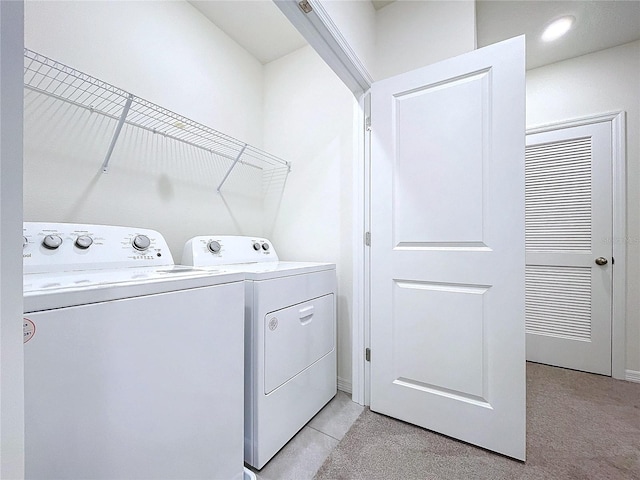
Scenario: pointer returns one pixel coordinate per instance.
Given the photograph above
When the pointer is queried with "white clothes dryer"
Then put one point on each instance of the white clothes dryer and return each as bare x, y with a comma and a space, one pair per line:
133, 366
290, 337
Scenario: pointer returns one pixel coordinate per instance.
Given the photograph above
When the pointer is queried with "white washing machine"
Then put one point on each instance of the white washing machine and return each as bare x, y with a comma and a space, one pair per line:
133, 366
290, 337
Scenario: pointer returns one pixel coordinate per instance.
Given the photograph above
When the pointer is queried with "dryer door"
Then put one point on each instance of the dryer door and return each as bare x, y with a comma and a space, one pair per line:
296, 337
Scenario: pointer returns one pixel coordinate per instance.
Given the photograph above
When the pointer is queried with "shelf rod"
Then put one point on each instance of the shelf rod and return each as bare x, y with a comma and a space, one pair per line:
56, 80
116, 134
231, 167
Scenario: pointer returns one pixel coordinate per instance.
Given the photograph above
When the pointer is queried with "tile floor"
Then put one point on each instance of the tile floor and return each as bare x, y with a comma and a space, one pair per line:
301, 458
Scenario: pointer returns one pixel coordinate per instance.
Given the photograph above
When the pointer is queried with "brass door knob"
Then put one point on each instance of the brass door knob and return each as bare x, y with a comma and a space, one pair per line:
601, 261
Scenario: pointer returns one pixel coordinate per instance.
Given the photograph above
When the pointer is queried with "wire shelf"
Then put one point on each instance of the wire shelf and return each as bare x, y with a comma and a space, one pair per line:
47, 76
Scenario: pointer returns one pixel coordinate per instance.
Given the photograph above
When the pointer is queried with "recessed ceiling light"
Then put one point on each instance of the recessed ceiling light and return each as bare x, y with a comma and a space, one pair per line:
558, 28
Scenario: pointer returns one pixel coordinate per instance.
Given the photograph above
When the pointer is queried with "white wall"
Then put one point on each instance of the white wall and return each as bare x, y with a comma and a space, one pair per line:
356, 21
308, 118
406, 34
164, 52
11, 365
411, 34
601, 82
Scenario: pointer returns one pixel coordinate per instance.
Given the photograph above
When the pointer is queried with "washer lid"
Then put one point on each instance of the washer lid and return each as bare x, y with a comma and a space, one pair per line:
269, 270
44, 291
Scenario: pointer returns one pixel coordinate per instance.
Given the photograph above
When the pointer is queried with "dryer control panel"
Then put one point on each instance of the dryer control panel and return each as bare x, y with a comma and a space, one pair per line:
54, 247
211, 250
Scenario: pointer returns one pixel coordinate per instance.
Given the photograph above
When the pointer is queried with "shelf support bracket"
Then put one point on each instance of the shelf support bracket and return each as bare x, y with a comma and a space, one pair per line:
232, 167
116, 133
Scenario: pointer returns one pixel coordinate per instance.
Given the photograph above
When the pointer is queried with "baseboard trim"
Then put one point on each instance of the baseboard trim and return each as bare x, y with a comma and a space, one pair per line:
630, 376
345, 385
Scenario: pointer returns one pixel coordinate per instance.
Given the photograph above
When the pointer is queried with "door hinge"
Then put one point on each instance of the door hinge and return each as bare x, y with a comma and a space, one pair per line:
367, 124
367, 354
613, 261
367, 239
305, 6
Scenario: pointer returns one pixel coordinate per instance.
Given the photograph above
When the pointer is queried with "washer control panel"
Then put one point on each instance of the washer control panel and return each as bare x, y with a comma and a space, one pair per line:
211, 250
53, 247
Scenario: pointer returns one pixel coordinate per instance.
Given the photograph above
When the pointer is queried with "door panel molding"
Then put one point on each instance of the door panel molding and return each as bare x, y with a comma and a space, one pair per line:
617, 120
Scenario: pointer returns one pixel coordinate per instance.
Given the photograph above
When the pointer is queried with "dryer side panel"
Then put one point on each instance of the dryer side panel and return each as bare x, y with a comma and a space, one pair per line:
280, 414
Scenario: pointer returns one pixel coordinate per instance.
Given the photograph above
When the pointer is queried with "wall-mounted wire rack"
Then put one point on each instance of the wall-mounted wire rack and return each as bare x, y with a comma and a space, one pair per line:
50, 77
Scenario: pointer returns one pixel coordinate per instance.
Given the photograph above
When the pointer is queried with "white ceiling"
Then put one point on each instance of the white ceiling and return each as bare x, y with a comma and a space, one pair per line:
598, 25
257, 25
378, 4
260, 27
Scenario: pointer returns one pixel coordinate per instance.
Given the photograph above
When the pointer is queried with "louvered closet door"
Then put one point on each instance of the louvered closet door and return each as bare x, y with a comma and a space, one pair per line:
568, 228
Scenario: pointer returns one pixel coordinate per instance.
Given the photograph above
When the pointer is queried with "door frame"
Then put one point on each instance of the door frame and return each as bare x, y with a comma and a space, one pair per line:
617, 122
361, 373
11, 329
317, 27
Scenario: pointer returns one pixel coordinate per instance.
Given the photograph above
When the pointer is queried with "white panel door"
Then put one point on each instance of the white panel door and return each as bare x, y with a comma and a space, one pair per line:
568, 229
447, 248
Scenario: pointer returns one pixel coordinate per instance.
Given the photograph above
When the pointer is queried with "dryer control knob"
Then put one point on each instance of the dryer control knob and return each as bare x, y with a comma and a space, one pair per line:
256, 246
84, 242
51, 242
265, 246
141, 242
25, 242
213, 246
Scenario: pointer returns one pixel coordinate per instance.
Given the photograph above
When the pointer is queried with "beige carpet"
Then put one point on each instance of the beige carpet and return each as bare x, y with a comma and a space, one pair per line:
579, 426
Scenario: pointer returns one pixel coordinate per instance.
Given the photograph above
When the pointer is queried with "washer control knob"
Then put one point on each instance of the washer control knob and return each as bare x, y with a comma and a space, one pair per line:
265, 246
52, 242
213, 246
25, 242
256, 246
141, 242
84, 242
